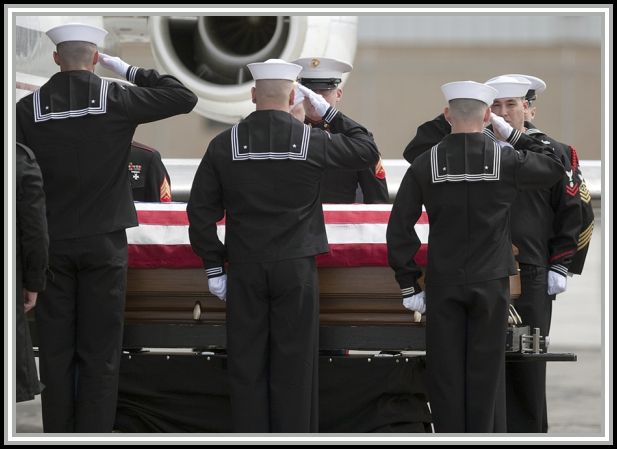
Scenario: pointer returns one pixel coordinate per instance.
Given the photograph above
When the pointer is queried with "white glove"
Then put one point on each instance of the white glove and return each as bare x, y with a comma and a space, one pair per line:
114, 64
218, 286
415, 302
297, 110
556, 283
317, 101
299, 97
501, 126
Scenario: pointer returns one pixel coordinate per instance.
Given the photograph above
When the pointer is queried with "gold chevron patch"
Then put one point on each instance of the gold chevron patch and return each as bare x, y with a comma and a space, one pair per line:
584, 191
165, 192
585, 237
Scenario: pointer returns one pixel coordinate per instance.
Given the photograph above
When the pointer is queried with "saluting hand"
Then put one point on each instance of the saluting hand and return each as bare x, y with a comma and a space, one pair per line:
502, 128
297, 110
318, 103
298, 96
114, 64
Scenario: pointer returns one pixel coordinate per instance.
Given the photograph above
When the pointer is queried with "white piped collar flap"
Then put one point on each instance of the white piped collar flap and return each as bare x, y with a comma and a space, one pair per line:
70, 95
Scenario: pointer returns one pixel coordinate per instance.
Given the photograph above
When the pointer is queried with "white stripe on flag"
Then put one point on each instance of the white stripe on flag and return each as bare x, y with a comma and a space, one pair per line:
337, 234
158, 235
358, 207
164, 235
164, 207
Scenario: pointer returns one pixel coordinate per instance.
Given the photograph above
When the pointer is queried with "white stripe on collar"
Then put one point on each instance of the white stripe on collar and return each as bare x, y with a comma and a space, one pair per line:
100, 109
493, 175
239, 156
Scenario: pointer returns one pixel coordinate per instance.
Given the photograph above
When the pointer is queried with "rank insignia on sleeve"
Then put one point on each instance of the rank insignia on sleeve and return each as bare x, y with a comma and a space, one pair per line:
165, 192
380, 172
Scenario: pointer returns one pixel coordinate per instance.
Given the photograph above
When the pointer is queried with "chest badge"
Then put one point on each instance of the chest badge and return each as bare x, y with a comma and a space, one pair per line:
135, 169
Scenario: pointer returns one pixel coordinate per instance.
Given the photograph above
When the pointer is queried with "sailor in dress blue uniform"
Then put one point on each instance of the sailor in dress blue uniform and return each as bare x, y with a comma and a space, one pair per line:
80, 128
263, 176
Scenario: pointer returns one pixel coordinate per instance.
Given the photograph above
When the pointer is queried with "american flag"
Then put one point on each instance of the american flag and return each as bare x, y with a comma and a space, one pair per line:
356, 235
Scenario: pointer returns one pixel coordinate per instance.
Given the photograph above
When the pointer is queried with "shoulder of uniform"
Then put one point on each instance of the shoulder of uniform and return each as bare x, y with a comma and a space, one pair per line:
224, 137
141, 146
422, 158
28, 152
25, 102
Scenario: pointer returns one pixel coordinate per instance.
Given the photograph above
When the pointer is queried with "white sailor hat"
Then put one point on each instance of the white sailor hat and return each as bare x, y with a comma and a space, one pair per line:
537, 85
469, 89
510, 86
77, 32
322, 73
274, 69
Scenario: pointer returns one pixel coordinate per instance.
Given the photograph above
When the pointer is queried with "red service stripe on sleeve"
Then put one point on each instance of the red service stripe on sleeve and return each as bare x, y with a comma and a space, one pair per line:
560, 255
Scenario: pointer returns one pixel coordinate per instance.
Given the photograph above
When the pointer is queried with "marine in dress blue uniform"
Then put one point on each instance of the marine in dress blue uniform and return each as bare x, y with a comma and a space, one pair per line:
263, 176
469, 179
149, 179
80, 128
576, 185
546, 225
368, 186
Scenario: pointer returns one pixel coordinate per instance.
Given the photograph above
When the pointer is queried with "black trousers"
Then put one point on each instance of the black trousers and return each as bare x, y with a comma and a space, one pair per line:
526, 382
272, 345
465, 355
27, 383
79, 320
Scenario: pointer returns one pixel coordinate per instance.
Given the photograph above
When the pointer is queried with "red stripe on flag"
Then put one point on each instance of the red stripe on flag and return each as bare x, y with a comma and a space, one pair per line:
352, 217
362, 255
340, 255
180, 218
163, 256
356, 216
357, 255
165, 217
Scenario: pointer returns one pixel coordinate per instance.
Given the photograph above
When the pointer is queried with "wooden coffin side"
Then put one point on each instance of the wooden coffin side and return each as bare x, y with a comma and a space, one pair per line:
348, 296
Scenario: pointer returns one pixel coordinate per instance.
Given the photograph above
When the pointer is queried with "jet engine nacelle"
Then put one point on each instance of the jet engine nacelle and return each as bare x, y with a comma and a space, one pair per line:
209, 54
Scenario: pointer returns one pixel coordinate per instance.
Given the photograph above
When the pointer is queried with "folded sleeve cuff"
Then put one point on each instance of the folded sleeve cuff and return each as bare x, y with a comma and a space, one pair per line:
131, 73
330, 114
410, 290
561, 269
515, 135
215, 272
